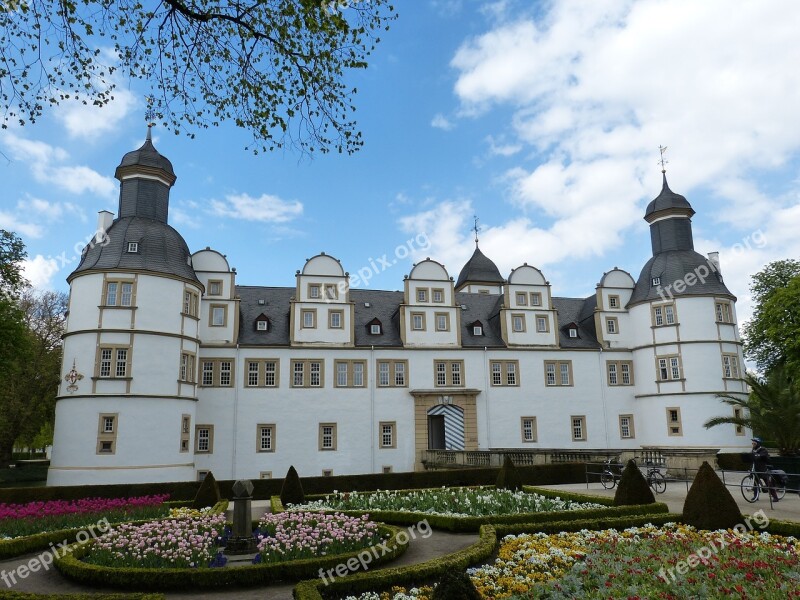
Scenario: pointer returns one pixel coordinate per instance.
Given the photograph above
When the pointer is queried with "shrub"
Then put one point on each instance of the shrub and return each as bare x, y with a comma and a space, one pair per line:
456, 586
633, 487
292, 490
208, 494
709, 504
509, 478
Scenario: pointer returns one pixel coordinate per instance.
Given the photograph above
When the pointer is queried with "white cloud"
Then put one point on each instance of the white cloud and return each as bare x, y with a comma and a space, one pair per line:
40, 270
11, 222
498, 147
86, 121
441, 122
266, 208
50, 211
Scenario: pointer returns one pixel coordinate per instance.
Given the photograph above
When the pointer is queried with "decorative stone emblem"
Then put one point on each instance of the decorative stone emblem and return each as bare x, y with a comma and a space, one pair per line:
72, 378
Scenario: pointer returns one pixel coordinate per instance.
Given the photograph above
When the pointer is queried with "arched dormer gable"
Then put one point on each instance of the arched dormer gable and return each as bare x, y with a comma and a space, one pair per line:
527, 275
210, 260
323, 265
429, 270
617, 278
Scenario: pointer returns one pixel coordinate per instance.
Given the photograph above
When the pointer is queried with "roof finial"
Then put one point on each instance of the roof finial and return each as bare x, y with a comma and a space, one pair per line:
476, 229
150, 115
663, 162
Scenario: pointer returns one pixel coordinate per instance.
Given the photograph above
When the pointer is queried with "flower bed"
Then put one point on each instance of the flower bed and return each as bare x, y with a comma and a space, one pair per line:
462, 502
18, 520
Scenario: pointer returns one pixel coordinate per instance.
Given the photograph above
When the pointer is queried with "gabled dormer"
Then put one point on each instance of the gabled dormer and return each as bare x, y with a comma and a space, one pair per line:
528, 317
321, 312
375, 327
429, 315
612, 322
262, 324
219, 314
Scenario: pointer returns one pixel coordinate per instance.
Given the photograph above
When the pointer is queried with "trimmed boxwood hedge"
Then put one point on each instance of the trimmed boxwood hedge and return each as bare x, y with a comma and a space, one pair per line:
71, 566
8, 595
412, 574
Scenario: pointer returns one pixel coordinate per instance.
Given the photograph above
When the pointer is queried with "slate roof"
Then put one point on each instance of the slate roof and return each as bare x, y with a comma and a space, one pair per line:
581, 312
148, 156
385, 305
161, 249
673, 266
479, 269
667, 199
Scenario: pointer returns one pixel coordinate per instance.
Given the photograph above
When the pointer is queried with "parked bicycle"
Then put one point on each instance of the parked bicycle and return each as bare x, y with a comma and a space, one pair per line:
613, 471
754, 483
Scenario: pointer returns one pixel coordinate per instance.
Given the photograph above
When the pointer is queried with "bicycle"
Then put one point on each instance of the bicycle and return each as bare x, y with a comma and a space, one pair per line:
656, 480
754, 483
611, 472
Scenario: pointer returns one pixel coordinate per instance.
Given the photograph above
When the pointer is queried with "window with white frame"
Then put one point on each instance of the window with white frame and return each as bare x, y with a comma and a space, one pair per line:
613, 301
518, 323
191, 303
504, 372
558, 372
119, 293
442, 321
350, 373
437, 295
737, 414
578, 428
133, 247
375, 329
626, 427
536, 299
204, 439
335, 319
214, 287
669, 368
730, 366
724, 312
107, 433
327, 436
218, 315
392, 373
663, 314
309, 319
422, 295
266, 437
542, 324
388, 434
113, 362
314, 291
216, 372
449, 373
522, 299
307, 373
418, 321
620, 372
528, 429
187, 367
612, 325
674, 427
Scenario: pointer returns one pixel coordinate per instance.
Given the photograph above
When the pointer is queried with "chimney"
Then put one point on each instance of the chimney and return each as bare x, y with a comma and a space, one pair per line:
104, 220
713, 258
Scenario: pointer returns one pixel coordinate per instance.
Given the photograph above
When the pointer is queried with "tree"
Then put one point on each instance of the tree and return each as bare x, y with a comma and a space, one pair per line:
772, 410
12, 253
770, 337
274, 67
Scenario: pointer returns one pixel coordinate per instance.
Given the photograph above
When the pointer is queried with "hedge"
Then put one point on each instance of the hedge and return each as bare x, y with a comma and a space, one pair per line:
551, 474
412, 574
632, 519
72, 567
8, 595
566, 495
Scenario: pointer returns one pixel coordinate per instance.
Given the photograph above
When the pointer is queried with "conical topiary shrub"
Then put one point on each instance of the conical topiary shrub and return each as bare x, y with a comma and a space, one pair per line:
455, 586
208, 494
633, 487
508, 478
709, 504
292, 490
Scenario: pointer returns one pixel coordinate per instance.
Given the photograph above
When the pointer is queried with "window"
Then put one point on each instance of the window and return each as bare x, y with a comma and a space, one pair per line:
418, 321
307, 373
327, 436
214, 287
528, 429
218, 315
386, 469
578, 428
620, 372
505, 372
119, 293
107, 423
335, 319
392, 373
674, 421
314, 291
612, 325
133, 247
265, 438
518, 323
350, 373
558, 372
331, 291
187, 367
442, 322
669, 368
437, 295
477, 330
204, 439
262, 372
186, 421
522, 299
449, 373
656, 281
216, 372
422, 295
309, 319
626, 427
663, 314
573, 333
536, 299
327, 472
107, 433
191, 302
724, 312
730, 366
737, 414
261, 325
388, 437
113, 363
265, 475
375, 329
542, 324
201, 475
613, 301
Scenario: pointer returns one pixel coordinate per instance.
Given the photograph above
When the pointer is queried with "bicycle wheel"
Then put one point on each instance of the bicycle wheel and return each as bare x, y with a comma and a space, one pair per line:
608, 480
780, 490
657, 482
750, 488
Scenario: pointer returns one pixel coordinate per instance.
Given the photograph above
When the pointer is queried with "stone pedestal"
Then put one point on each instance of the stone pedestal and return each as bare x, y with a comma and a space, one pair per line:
242, 540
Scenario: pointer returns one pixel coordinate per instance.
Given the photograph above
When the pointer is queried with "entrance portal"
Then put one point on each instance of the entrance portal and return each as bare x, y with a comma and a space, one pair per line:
446, 427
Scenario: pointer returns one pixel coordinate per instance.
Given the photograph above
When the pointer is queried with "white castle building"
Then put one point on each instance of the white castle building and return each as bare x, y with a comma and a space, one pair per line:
172, 370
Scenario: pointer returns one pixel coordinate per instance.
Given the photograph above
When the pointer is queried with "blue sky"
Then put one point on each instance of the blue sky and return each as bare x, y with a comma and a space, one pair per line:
543, 119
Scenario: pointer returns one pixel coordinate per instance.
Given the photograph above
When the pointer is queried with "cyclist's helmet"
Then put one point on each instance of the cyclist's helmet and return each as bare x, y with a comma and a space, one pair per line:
757, 440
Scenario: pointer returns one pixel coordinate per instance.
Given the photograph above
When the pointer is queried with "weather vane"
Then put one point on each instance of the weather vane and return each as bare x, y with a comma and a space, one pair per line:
150, 113
663, 162
476, 229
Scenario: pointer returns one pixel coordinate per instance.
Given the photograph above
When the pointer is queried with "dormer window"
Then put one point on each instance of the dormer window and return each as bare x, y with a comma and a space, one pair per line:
375, 329
133, 247
573, 333
656, 280
261, 325
477, 330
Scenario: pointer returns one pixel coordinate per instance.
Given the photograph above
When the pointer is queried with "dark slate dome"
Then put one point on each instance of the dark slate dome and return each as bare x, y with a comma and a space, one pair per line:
147, 156
666, 200
673, 266
161, 249
479, 269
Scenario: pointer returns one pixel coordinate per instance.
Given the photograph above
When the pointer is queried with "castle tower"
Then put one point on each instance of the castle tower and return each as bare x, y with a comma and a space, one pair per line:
126, 405
682, 316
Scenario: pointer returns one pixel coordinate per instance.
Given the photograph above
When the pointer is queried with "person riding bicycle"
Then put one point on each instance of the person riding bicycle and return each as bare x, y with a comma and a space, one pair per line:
760, 460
